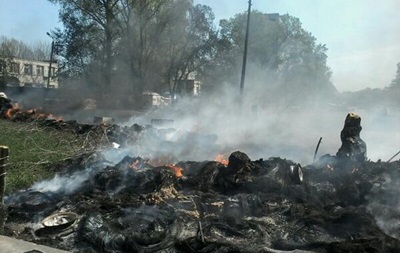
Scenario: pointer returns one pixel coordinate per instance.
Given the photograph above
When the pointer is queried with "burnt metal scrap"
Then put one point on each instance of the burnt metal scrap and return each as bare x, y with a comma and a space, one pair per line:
272, 205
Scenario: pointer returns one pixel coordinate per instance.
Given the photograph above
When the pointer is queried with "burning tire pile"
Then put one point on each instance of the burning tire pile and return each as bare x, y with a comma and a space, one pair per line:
339, 203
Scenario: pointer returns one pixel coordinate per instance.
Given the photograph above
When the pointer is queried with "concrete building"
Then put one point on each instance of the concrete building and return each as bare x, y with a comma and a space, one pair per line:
189, 86
28, 73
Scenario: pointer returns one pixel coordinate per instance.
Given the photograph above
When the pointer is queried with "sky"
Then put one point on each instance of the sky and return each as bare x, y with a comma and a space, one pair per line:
362, 36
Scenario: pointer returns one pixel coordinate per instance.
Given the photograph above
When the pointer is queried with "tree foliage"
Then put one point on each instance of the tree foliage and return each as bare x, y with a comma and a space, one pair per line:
283, 58
143, 24
11, 47
140, 45
190, 44
395, 84
129, 46
88, 38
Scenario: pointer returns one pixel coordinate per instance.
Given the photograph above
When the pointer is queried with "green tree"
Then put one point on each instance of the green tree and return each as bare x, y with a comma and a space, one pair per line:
393, 91
189, 44
90, 32
302, 64
283, 58
142, 23
395, 84
152, 44
5, 70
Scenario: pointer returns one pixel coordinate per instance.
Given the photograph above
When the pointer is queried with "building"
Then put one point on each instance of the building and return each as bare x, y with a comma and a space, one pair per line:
28, 73
273, 16
189, 86
153, 100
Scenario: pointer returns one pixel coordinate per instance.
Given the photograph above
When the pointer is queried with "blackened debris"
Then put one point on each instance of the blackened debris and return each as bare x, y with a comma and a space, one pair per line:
247, 206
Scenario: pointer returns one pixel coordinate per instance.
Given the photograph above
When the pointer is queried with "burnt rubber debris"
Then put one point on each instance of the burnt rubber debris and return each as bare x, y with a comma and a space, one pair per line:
339, 203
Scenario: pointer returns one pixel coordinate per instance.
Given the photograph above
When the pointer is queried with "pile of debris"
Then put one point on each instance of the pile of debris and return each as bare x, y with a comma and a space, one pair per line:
156, 141
246, 206
340, 203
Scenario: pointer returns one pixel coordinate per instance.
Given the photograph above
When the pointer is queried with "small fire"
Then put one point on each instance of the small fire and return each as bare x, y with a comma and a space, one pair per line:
49, 117
221, 159
178, 171
10, 112
60, 118
135, 165
34, 113
161, 160
138, 164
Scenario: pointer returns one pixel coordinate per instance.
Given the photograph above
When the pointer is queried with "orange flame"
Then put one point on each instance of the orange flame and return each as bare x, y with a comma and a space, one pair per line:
178, 171
10, 112
34, 112
134, 165
221, 160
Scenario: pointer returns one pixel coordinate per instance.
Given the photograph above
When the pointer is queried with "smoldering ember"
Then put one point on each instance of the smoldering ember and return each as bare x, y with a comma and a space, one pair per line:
105, 201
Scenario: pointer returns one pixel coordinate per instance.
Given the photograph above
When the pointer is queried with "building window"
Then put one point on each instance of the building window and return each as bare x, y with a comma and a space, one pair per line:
39, 70
15, 68
28, 69
52, 72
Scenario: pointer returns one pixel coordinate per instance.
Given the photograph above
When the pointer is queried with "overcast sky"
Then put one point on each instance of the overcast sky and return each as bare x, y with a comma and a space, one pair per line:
362, 36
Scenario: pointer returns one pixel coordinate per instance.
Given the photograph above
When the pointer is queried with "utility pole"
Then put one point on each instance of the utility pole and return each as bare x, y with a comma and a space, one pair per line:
245, 51
51, 59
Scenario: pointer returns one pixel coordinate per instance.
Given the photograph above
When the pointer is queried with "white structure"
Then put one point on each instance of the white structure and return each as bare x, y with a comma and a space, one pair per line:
29, 73
189, 86
153, 99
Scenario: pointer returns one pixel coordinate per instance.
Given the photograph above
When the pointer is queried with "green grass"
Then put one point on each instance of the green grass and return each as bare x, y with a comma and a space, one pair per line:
33, 149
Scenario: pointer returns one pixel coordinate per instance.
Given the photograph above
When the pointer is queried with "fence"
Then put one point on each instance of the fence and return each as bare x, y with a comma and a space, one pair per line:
3, 163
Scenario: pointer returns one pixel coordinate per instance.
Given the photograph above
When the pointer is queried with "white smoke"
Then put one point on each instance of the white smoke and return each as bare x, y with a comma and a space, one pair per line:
63, 184
71, 183
287, 130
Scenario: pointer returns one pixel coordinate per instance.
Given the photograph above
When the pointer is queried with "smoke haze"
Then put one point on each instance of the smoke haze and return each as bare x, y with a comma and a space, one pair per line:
288, 130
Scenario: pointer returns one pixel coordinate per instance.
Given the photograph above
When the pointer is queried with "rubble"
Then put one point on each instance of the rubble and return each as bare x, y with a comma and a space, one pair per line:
138, 204
247, 206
